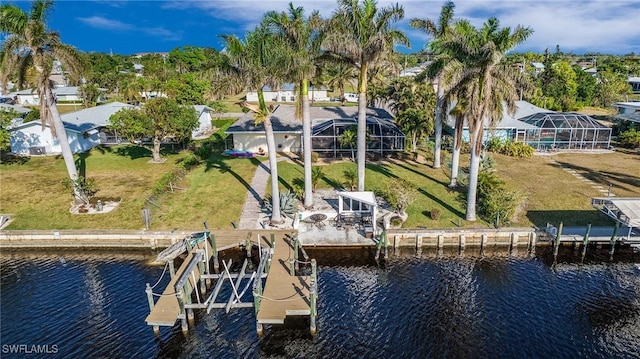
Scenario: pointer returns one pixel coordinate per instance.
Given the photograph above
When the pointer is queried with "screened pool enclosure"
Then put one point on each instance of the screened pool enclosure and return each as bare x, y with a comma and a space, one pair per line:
383, 137
565, 131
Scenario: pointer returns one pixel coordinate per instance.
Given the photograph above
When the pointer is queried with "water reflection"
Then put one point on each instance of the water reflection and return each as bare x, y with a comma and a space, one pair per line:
428, 304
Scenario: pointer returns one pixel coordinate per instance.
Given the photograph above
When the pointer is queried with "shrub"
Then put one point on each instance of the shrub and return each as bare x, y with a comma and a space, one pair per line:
189, 162
316, 175
85, 187
169, 177
314, 157
435, 214
288, 204
629, 139
399, 193
351, 177
509, 148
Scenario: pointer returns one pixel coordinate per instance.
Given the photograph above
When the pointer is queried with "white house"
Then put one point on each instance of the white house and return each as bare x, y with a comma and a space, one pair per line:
63, 94
204, 121
287, 93
634, 81
84, 128
629, 111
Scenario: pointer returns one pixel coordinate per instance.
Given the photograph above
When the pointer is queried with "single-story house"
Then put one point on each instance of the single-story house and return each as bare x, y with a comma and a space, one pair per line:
62, 94
328, 123
287, 93
508, 128
544, 129
628, 111
84, 128
204, 120
19, 109
634, 81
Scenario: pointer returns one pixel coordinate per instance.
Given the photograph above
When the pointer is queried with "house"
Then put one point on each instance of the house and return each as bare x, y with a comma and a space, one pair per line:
508, 128
85, 129
544, 129
634, 81
63, 94
287, 93
327, 125
538, 67
628, 111
204, 121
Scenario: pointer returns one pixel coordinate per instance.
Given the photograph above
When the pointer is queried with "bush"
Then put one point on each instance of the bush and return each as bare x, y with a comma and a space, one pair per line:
170, 177
435, 214
316, 175
496, 203
629, 139
189, 162
509, 148
351, 177
314, 157
85, 187
399, 193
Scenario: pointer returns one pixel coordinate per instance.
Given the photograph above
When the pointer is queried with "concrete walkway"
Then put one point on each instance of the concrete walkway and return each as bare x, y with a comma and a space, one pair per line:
252, 215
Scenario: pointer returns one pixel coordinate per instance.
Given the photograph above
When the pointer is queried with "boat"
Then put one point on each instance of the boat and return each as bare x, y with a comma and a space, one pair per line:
238, 153
180, 247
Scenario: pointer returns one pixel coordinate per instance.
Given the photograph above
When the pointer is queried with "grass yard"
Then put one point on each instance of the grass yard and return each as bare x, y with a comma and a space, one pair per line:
431, 185
32, 191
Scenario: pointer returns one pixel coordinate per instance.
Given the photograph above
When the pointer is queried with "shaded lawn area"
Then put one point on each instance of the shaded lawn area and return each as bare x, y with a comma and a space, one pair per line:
32, 191
431, 186
555, 195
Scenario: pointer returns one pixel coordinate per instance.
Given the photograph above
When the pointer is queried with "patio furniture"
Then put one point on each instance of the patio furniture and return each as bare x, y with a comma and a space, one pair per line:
317, 219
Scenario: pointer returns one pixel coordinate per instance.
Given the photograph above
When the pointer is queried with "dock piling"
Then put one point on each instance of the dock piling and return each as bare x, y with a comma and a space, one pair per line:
296, 266
172, 269
149, 292
613, 238
556, 244
312, 299
585, 241
214, 252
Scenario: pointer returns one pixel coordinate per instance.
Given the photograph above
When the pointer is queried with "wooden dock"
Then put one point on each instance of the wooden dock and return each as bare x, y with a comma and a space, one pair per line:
284, 293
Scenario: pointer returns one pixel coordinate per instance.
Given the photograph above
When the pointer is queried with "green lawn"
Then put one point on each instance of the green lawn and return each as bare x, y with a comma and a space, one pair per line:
216, 190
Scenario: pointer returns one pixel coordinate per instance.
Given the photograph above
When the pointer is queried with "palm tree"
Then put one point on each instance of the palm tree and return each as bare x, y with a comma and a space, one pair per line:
302, 37
338, 75
360, 34
459, 113
257, 62
437, 31
31, 48
348, 139
412, 104
488, 83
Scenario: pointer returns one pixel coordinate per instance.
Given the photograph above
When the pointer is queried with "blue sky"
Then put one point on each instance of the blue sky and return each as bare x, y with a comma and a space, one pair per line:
130, 26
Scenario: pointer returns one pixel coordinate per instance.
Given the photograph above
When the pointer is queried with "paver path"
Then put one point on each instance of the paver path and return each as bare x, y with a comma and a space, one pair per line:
252, 211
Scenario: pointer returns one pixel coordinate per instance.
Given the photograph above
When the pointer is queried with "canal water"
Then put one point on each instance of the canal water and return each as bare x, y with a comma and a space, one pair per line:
414, 305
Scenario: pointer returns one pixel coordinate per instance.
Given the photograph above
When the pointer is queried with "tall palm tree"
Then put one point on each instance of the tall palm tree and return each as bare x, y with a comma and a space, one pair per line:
31, 48
257, 62
488, 83
302, 37
459, 113
360, 33
437, 31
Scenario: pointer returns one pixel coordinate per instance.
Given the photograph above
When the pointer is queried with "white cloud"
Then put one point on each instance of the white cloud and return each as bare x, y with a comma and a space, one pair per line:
100, 22
587, 25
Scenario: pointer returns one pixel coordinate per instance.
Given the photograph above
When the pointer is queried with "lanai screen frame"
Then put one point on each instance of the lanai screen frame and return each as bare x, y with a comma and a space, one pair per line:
566, 131
384, 136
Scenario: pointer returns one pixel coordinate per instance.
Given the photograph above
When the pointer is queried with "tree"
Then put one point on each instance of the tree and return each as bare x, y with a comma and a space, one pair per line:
359, 34
559, 86
611, 88
160, 119
459, 113
34, 49
6, 117
338, 75
437, 31
586, 87
348, 138
186, 89
187, 59
488, 83
89, 94
413, 104
255, 63
302, 37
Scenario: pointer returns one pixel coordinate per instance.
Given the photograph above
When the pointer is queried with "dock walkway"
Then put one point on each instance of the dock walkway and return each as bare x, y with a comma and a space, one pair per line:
284, 294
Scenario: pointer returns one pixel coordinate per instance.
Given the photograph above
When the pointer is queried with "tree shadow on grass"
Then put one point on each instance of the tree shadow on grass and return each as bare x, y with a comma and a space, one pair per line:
623, 180
133, 152
399, 164
11, 159
217, 162
441, 203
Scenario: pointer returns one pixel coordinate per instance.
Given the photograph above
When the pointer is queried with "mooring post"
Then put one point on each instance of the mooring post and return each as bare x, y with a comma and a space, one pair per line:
483, 242
396, 242
296, 245
613, 238
463, 242
184, 325
313, 288
585, 241
187, 290
440, 241
149, 292
385, 244
214, 249
203, 287
556, 244
418, 242
172, 269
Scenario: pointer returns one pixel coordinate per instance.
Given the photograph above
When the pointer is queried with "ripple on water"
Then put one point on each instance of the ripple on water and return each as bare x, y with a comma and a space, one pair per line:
409, 307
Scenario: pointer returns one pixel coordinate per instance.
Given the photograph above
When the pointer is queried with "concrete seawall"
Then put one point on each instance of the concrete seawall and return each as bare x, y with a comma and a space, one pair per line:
122, 239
